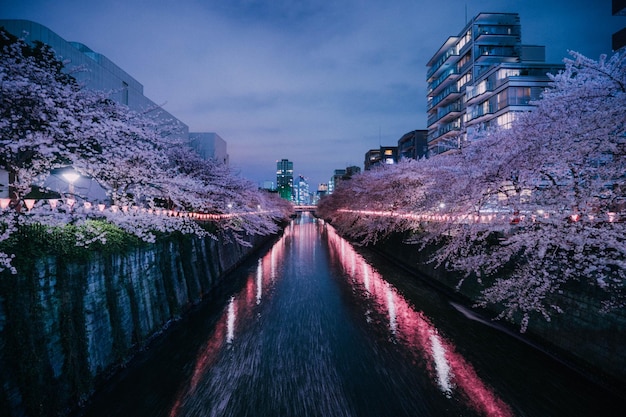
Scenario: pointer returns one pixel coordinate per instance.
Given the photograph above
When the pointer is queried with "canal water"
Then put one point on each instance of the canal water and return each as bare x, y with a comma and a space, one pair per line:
313, 327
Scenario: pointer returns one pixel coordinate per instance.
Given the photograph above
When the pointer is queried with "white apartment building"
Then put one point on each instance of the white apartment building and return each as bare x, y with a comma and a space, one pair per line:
482, 77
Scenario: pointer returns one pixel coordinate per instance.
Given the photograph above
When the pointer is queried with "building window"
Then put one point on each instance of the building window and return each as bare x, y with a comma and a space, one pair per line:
519, 96
480, 88
507, 72
464, 61
503, 99
465, 39
464, 80
506, 119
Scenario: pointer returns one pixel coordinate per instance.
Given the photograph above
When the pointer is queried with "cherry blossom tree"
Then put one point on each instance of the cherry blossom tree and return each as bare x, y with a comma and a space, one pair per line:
48, 122
210, 187
36, 122
380, 197
525, 210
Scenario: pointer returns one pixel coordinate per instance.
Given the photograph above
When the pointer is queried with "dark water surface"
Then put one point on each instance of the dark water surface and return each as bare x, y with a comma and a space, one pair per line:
313, 328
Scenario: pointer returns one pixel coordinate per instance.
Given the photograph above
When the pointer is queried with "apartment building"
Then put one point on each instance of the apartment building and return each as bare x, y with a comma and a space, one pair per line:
481, 78
385, 155
413, 145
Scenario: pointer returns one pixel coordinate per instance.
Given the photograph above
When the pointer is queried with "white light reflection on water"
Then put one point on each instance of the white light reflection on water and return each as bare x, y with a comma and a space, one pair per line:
442, 366
230, 321
259, 281
454, 376
366, 277
391, 308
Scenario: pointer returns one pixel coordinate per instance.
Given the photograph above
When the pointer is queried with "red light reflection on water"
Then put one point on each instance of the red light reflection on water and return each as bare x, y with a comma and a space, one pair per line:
452, 373
239, 311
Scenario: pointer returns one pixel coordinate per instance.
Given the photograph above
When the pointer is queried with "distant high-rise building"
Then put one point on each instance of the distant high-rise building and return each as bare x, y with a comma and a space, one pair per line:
268, 185
337, 176
322, 190
340, 175
302, 195
372, 157
482, 77
284, 179
352, 170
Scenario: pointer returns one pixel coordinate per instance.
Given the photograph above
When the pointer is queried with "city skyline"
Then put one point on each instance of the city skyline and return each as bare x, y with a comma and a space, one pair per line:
319, 85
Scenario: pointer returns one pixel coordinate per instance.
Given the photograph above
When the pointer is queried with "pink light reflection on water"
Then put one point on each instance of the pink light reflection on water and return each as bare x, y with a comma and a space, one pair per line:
240, 310
452, 373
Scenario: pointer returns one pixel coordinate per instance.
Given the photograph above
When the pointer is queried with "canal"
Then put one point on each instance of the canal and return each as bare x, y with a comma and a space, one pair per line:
314, 327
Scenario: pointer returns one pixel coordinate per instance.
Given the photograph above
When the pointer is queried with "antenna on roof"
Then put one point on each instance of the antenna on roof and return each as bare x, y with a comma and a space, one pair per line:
379, 140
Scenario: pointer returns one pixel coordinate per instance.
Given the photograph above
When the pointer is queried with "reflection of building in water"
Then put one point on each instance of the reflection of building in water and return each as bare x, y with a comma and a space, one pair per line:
454, 376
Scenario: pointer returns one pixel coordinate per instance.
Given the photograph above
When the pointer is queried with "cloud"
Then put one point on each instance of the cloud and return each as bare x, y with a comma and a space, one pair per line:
317, 82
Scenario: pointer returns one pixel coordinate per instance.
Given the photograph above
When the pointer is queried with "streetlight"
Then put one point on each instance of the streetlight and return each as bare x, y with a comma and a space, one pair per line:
71, 177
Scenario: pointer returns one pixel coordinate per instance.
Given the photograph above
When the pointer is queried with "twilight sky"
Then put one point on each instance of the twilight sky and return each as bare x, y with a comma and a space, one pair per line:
318, 82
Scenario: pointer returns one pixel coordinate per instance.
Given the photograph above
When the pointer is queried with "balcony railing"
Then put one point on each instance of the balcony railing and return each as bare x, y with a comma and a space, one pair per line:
449, 53
433, 86
453, 89
497, 30
444, 111
443, 130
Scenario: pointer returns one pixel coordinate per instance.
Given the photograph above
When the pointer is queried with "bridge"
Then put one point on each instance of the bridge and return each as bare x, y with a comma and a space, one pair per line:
304, 208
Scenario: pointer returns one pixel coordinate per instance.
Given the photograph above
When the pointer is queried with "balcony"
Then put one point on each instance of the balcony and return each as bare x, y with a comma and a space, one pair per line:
477, 112
448, 112
449, 74
446, 131
492, 53
448, 57
472, 92
451, 92
496, 33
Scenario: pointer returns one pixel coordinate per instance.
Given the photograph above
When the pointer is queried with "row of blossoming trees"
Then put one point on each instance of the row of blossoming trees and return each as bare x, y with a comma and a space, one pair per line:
48, 121
525, 210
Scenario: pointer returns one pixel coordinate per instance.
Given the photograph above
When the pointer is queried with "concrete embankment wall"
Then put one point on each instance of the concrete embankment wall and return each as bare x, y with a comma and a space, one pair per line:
66, 324
584, 338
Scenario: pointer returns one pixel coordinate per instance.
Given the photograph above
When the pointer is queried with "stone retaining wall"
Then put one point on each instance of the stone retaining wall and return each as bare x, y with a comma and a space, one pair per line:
65, 325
